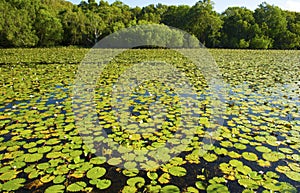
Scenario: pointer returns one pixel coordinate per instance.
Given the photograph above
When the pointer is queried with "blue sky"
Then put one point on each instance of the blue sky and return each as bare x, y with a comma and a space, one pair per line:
220, 5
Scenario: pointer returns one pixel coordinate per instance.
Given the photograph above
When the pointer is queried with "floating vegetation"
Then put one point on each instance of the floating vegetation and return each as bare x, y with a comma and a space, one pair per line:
257, 149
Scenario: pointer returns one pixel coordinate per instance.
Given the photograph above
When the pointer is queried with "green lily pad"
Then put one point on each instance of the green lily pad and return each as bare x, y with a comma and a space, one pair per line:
131, 172
18, 164
169, 189
293, 175
164, 178
248, 183
294, 166
98, 160
217, 188
210, 157
263, 149
136, 182
76, 187
226, 144
29, 158
114, 161
152, 175
240, 146
250, 156
55, 189
177, 171
220, 151
96, 172
129, 189
191, 190
234, 155
14, 184
130, 165
286, 150
47, 178
9, 175
273, 156
200, 185
263, 163
43, 166
244, 169
29, 145
59, 179
235, 163
103, 184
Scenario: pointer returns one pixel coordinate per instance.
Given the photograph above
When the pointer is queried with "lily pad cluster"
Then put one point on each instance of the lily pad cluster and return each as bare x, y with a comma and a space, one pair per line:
257, 149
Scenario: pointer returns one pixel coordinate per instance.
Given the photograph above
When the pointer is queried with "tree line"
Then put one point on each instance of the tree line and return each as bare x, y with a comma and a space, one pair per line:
45, 23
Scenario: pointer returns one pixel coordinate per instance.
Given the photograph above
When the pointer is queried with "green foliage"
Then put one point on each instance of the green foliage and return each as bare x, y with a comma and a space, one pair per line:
52, 23
262, 42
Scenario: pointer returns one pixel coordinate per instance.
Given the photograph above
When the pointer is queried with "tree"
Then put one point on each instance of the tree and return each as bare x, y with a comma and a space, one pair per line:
48, 28
74, 26
95, 26
16, 23
272, 21
176, 16
150, 13
204, 23
238, 28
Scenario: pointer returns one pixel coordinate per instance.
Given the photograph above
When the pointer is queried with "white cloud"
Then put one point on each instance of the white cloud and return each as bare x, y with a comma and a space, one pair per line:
293, 5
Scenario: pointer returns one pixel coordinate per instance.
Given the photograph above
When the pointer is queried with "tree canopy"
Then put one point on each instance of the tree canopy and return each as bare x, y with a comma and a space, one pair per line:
35, 23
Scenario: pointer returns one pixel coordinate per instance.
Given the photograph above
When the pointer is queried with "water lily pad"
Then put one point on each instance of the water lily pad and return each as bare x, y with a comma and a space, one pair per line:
129, 189
152, 175
293, 175
103, 184
43, 166
136, 182
11, 174
286, 150
76, 187
263, 149
248, 183
14, 184
233, 154
29, 158
47, 178
170, 188
130, 165
192, 190
55, 189
217, 188
250, 156
263, 163
294, 166
96, 172
273, 156
226, 144
98, 160
114, 161
59, 179
240, 146
131, 172
244, 169
200, 185
177, 171
164, 178
210, 157
235, 163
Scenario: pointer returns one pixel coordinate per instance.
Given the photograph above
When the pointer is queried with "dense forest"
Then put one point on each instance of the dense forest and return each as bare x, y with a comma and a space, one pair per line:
45, 23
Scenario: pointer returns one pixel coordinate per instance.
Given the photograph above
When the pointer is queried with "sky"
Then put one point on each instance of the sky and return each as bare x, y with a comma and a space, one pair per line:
220, 5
